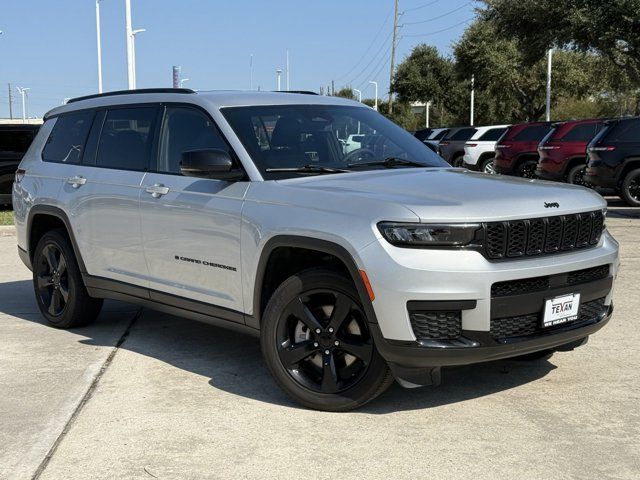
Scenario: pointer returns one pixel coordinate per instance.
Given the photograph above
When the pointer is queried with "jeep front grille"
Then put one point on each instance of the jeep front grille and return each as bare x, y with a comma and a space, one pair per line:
540, 236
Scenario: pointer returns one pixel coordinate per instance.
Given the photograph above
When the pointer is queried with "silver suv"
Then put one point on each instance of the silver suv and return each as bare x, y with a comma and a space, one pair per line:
354, 268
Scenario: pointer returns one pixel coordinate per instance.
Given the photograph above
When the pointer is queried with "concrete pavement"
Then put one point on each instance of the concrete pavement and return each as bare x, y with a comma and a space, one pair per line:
179, 399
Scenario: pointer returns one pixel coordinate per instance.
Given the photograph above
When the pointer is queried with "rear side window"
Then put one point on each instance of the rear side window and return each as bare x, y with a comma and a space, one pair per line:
127, 138
626, 131
68, 137
533, 133
186, 129
464, 134
15, 142
492, 135
580, 133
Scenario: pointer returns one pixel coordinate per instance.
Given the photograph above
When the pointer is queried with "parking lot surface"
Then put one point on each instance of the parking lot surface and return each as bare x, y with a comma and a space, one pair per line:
145, 395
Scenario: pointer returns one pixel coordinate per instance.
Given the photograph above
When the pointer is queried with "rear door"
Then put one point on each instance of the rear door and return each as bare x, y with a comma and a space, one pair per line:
102, 192
191, 226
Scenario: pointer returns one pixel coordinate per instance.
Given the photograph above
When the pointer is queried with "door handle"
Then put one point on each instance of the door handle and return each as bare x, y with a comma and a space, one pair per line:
157, 190
77, 181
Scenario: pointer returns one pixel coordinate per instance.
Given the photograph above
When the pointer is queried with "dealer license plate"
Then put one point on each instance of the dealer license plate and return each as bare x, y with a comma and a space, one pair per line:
561, 309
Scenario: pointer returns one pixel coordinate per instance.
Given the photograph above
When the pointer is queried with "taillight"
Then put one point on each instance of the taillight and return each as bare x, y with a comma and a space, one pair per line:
601, 149
444, 144
502, 145
548, 147
19, 175
470, 144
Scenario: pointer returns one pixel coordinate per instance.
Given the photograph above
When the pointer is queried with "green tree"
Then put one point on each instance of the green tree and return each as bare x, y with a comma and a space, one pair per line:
510, 85
345, 92
610, 28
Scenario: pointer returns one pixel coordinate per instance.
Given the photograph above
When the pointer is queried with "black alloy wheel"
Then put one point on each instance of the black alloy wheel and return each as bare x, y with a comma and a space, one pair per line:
630, 191
323, 341
527, 169
576, 176
53, 280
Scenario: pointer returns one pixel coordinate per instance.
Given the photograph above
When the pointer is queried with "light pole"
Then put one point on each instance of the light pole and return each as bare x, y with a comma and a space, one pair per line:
288, 86
359, 92
131, 54
473, 93
99, 46
375, 84
182, 80
549, 85
427, 107
251, 72
23, 92
278, 73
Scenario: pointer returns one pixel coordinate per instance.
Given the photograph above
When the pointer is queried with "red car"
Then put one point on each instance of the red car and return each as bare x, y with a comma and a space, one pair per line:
563, 155
517, 149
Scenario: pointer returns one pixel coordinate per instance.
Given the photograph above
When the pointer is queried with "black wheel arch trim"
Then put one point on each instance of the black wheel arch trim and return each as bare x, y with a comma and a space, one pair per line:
309, 243
62, 216
622, 169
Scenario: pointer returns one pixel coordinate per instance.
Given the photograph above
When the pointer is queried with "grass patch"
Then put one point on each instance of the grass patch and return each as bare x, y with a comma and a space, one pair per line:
6, 217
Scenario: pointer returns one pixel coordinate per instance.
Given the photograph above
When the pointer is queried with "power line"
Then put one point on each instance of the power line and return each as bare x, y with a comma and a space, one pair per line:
377, 68
363, 56
386, 40
439, 16
439, 31
421, 6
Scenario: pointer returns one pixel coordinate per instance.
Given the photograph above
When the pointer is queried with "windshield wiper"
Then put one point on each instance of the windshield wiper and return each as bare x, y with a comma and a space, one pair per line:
307, 169
389, 162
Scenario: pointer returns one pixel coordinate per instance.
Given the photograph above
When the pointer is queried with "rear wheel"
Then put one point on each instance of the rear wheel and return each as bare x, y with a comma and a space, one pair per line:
317, 345
527, 169
630, 191
60, 292
488, 166
457, 161
576, 176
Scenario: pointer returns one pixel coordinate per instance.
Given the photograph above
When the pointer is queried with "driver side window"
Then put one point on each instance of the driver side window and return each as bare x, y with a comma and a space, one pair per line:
183, 129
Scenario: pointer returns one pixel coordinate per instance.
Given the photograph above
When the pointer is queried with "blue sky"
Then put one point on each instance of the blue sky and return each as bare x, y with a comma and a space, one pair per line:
50, 45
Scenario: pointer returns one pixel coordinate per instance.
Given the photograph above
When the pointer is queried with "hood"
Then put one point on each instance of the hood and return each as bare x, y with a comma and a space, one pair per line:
448, 194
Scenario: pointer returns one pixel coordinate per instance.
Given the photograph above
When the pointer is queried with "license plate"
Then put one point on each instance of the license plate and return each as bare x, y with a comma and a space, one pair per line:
561, 309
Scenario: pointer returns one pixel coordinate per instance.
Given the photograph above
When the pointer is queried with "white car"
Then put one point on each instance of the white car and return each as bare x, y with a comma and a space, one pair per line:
479, 150
353, 142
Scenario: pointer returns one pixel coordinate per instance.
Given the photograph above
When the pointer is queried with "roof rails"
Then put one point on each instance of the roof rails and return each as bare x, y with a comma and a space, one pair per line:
302, 92
133, 92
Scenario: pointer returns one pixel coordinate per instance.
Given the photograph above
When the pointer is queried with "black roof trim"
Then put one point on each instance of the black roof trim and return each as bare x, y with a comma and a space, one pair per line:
302, 92
133, 92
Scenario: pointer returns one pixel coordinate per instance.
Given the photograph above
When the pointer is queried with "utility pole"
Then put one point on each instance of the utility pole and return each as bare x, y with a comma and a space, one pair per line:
473, 92
10, 102
251, 72
23, 91
549, 85
393, 54
99, 46
129, 34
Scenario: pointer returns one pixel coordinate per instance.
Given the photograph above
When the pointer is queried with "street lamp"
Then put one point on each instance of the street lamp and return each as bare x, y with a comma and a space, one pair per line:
359, 92
375, 106
131, 53
278, 73
23, 92
182, 80
548, 109
427, 107
99, 46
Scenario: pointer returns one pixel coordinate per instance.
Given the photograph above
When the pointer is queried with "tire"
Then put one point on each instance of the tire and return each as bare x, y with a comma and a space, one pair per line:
630, 190
527, 169
531, 357
487, 166
457, 161
60, 292
309, 366
576, 176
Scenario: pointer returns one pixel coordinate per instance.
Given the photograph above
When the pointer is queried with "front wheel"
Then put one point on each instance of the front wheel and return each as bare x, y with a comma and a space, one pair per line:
316, 341
630, 191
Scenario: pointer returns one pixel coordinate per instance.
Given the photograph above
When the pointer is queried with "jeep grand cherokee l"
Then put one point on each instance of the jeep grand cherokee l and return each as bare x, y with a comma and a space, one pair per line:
354, 268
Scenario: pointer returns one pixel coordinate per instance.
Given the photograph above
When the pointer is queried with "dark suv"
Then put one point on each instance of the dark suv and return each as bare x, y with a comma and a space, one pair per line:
451, 147
563, 156
14, 142
614, 158
517, 149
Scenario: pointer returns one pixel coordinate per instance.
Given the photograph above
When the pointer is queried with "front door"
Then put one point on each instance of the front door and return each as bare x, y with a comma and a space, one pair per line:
191, 226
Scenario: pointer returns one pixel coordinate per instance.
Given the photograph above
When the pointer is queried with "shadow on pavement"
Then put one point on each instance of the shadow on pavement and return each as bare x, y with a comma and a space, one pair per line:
233, 362
617, 208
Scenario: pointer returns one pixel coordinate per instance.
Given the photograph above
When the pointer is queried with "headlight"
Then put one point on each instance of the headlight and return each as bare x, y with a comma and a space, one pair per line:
429, 235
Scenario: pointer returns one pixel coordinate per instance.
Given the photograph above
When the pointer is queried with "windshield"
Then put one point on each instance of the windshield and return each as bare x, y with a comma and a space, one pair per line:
323, 136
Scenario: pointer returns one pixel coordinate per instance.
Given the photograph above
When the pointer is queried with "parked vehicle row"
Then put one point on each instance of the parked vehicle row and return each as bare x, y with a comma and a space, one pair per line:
589, 152
14, 142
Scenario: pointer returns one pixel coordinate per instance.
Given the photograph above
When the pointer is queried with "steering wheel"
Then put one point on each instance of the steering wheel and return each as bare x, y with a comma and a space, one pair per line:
358, 153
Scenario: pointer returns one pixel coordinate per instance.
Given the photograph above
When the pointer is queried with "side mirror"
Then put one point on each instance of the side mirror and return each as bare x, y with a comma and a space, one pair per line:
211, 163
